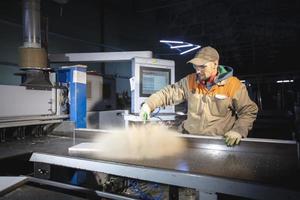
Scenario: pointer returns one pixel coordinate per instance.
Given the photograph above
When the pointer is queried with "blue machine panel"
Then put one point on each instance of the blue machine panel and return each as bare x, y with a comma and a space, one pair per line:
75, 77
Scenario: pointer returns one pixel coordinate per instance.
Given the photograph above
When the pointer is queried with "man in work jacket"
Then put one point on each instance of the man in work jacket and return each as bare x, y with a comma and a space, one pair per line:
218, 103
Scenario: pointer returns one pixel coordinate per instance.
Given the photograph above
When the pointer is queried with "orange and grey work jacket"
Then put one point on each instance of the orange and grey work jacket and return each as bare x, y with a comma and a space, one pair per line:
212, 110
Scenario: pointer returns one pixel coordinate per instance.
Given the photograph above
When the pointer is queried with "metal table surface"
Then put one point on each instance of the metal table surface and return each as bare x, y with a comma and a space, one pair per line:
46, 144
204, 163
255, 161
28, 192
270, 163
260, 169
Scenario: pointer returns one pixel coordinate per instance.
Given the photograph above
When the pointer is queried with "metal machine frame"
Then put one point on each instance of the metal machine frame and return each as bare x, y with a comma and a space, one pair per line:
202, 183
25, 107
98, 56
153, 64
136, 58
207, 185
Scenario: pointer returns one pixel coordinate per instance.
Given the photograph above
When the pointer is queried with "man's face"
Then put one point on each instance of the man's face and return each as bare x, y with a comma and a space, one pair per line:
205, 71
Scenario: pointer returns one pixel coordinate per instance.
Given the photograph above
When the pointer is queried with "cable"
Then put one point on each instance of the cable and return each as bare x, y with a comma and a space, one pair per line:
143, 192
158, 118
154, 114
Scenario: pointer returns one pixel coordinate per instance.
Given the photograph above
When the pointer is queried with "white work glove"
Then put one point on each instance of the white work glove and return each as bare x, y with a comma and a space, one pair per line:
145, 112
232, 138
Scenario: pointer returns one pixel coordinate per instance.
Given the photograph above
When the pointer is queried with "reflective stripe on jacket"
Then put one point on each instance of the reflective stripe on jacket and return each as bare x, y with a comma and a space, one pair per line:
225, 106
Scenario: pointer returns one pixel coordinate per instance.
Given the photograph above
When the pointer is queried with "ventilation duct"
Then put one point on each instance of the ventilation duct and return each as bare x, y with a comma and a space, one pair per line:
33, 58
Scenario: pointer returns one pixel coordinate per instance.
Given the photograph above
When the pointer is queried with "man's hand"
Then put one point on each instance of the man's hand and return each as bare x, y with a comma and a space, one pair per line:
145, 112
232, 138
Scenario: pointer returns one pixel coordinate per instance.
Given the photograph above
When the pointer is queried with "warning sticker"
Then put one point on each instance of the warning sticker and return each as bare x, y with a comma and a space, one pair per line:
79, 77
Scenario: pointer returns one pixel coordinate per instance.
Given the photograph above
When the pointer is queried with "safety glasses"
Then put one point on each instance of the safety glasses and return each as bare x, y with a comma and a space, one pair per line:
199, 67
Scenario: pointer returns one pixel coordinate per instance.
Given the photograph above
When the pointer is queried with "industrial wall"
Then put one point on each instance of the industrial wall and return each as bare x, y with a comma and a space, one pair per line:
65, 34
76, 27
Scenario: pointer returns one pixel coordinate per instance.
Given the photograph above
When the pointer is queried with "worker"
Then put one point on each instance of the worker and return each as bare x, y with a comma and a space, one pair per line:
218, 103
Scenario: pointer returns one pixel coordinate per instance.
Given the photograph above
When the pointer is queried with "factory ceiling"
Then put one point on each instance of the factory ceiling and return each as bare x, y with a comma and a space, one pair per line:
252, 36
258, 36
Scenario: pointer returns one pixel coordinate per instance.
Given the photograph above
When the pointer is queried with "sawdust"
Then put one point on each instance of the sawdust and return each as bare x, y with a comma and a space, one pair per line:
144, 142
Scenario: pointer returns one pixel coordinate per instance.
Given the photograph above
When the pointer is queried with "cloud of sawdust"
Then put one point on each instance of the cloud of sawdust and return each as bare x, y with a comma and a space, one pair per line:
143, 142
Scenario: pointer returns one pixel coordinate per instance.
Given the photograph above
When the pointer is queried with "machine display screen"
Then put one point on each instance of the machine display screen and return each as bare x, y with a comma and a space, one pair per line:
153, 79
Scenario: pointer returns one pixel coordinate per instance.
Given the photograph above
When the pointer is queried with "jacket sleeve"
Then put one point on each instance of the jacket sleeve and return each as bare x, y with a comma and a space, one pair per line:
169, 95
246, 111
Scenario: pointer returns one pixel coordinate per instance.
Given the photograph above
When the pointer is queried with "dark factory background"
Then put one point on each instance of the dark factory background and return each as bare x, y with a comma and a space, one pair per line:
259, 39
74, 77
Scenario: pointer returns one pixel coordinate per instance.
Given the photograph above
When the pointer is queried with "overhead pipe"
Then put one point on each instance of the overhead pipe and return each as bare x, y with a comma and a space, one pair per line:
32, 55
31, 24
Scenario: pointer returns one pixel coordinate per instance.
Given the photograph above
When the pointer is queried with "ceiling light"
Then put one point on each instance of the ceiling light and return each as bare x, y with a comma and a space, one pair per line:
189, 50
181, 46
170, 41
285, 81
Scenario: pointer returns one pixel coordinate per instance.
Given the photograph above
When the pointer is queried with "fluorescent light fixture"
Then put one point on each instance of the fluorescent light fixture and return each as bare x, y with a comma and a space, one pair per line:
170, 41
242, 81
285, 81
192, 49
181, 46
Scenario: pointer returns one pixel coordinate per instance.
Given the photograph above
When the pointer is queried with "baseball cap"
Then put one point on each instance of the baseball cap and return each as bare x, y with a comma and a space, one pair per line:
205, 55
